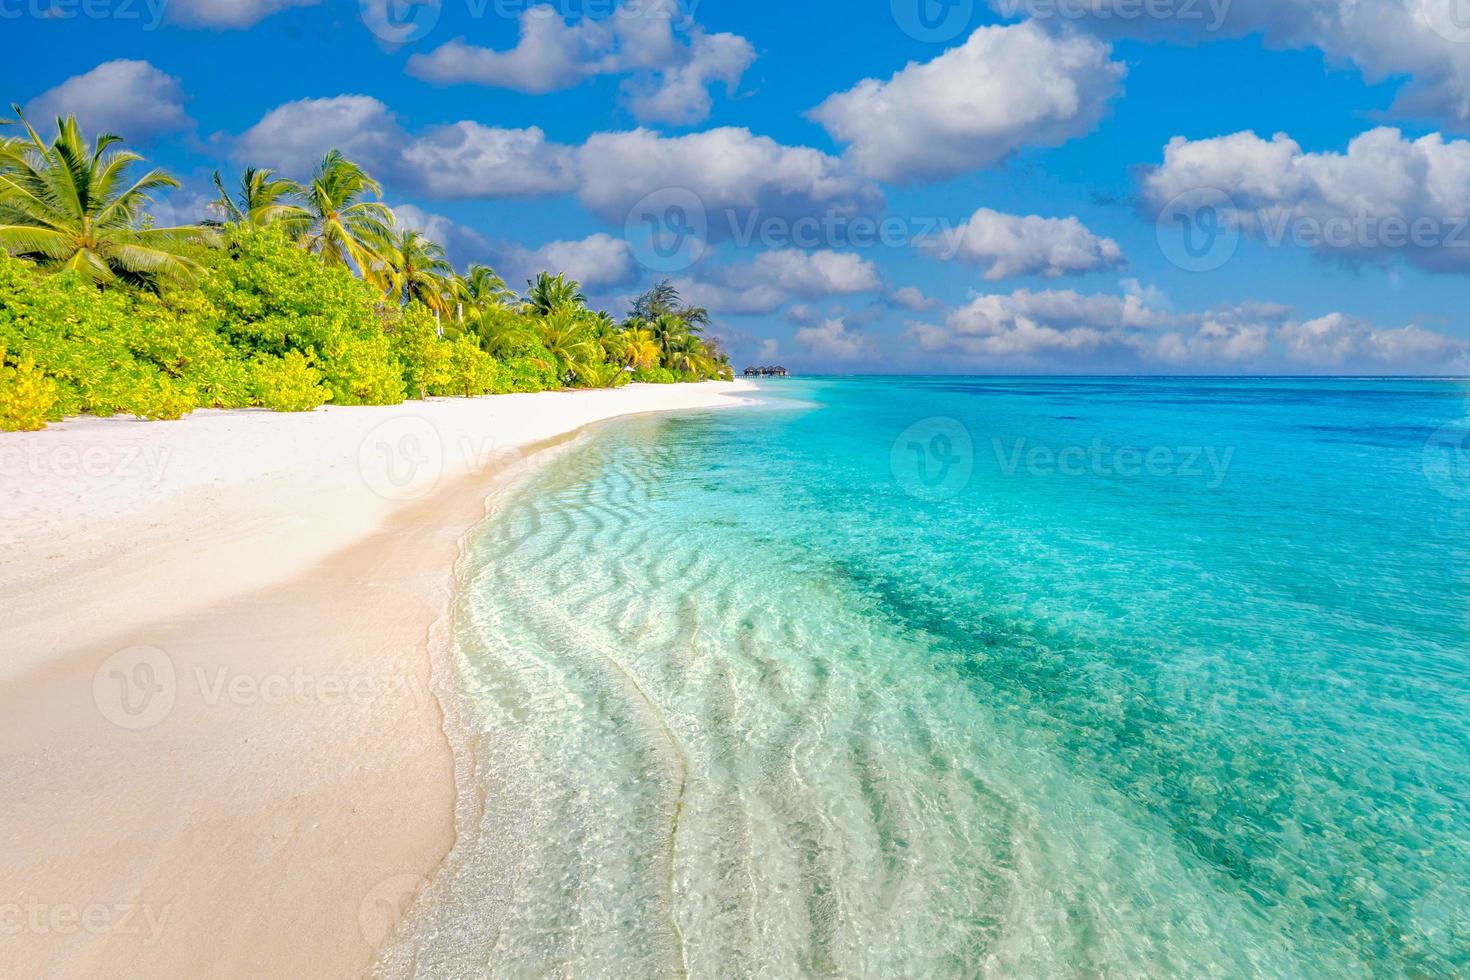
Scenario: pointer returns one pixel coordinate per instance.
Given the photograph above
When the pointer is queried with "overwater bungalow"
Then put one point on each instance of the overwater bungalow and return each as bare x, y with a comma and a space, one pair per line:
766, 372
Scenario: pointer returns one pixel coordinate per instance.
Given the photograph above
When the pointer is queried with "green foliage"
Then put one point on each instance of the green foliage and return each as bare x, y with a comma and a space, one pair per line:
289, 384
27, 396
273, 298
471, 371
426, 359
311, 295
655, 376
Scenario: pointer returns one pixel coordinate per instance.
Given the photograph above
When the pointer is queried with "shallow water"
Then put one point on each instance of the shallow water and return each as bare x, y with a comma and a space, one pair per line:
936, 677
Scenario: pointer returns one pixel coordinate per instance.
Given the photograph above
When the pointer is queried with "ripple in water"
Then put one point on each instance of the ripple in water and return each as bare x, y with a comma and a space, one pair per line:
739, 706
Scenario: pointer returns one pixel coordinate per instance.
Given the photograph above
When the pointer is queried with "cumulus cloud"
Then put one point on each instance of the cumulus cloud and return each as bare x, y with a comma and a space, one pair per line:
130, 98
733, 172
1424, 41
461, 160
670, 61
598, 261
912, 298
228, 14
811, 275
779, 277
1385, 196
833, 338
1010, 245
467, 159
1004, 89
1339, 340
1137, 328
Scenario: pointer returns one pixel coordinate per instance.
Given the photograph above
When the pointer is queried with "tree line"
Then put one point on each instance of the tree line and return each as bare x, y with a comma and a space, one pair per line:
287, 297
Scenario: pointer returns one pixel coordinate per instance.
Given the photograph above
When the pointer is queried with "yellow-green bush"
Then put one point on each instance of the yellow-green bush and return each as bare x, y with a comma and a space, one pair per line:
27, 396
289, 384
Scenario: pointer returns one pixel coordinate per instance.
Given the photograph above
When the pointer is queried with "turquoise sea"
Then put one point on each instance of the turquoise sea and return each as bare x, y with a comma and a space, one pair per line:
955, 677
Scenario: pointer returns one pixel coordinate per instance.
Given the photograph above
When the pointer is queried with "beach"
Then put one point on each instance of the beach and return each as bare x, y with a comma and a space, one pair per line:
221, 744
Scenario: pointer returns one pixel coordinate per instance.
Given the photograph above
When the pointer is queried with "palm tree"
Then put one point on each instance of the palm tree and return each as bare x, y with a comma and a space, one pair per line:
668, 332
478, 289
263, 200
413, 268
71, 208
550, 293
344, 223
503, 331
566, 333
688, 356
639, 348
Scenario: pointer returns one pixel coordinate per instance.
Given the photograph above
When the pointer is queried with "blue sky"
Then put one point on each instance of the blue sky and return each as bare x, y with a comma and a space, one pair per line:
1019, 155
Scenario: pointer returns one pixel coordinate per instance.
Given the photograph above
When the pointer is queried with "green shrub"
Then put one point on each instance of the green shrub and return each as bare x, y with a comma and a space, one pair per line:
425, 357
274, 298
471, 371
27, 397
655, 376
289, 384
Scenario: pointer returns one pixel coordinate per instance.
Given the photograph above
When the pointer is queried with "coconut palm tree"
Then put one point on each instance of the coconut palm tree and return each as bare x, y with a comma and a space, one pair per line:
263, 200
639, 348
479, 288
411, 267
688, 356
70, 207
566, 333
504, 332
549, 293
344, 221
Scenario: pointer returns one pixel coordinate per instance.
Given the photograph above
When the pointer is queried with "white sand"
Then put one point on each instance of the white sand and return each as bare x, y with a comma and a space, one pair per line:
219, 747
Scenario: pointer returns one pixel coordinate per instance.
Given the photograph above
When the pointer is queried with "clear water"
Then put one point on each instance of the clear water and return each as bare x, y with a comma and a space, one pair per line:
867, 684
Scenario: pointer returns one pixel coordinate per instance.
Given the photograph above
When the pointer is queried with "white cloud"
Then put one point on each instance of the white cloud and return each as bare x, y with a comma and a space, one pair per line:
1010, 245
1136, 328
732, 171
598, 261
1339, 340
462, 160
466, 159
832, 338
912, 298
1385, 196
757, 300
1004, 89
1424, 41
671, 62
1217, 340
811, 275
293, 137
130, 98
225, 14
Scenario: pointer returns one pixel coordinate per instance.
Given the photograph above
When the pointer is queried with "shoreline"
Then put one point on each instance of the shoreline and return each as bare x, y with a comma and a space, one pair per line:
285, 608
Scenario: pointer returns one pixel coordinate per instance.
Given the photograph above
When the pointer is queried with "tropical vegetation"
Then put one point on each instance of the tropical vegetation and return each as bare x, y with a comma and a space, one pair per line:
287, 297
